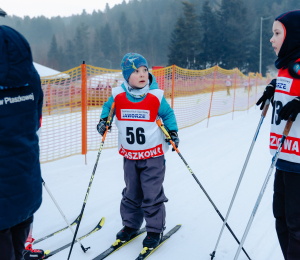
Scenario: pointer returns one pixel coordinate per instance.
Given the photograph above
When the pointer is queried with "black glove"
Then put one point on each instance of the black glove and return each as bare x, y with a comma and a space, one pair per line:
291, 109
101, 127
268, 94
175, 138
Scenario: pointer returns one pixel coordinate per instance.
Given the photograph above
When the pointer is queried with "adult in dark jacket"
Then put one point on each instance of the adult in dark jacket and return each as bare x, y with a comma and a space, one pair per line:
21, 99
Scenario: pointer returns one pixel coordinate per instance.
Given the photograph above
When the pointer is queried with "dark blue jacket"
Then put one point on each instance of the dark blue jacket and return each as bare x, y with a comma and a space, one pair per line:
21, 100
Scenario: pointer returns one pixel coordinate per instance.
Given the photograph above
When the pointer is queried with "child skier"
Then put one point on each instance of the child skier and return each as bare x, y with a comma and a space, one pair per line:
138, 103
228, 85
285, 95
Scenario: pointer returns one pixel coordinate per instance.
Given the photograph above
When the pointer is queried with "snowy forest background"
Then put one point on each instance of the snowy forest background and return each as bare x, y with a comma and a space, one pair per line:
194, 34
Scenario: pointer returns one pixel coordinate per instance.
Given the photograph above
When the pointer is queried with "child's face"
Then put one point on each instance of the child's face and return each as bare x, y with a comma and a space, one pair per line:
139, 78
278, 36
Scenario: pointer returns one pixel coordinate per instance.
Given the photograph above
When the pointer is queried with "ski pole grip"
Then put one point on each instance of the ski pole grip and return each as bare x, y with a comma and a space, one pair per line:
159, 123
288, 126
267, 104
109, 118
110, 115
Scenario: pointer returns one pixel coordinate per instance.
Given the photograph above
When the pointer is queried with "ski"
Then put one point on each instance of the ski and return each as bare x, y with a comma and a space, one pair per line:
118, 244
98, 227
146, 252
54, 233
47, 252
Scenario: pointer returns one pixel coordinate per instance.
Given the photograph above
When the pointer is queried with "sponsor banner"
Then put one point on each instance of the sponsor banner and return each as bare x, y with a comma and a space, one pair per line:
135, 114
291, 144
141, 154
284, 84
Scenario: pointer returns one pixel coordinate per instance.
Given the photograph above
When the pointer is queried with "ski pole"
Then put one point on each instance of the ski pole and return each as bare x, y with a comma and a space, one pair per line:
159, 123
59, 209
263, 115
108, 123
274, 160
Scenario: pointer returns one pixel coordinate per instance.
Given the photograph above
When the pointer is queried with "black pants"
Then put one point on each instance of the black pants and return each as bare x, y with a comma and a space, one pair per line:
144, 194
286, 209
12, 240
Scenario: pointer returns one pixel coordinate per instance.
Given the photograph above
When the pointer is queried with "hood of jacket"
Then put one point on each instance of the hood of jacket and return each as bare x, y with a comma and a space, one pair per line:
153, 84
290, 49
16, 65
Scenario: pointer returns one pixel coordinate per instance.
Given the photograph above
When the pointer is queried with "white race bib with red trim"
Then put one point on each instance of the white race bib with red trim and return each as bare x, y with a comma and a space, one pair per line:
228, 82
139, 135
287, 88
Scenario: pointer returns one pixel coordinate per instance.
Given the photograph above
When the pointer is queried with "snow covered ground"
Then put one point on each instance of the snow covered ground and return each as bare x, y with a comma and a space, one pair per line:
216, 155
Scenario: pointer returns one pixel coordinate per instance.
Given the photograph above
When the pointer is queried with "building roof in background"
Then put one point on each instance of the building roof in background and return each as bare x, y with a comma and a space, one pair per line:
2, 12
44, 71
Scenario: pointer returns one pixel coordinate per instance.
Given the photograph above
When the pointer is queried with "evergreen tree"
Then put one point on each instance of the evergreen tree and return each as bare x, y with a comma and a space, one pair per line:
155, 41
234, 35
191, 34
97, 53
53, 58
185, 38
81, 41
141, 42
70, 56
125, 35
209, 55
107, 45
61, 59
176, 47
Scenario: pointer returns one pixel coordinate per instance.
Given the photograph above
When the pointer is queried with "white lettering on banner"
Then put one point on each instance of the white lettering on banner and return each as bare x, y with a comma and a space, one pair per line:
295, 147
287, 144
17, 99
1, 102
135, 114
273, 142
284, 84
139, 155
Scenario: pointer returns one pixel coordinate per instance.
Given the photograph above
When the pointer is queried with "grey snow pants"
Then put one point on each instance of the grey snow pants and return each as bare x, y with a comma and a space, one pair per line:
144, 195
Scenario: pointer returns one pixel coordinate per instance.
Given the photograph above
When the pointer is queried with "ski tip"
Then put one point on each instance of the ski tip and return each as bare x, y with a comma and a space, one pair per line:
102, 222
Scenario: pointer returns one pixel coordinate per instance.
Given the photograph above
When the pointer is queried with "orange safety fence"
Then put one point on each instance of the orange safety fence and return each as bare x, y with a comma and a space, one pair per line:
73, 102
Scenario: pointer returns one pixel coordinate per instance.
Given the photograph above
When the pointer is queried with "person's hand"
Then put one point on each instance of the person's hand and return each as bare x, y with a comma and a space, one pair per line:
101, 127
175, 139
291, 109
268, 94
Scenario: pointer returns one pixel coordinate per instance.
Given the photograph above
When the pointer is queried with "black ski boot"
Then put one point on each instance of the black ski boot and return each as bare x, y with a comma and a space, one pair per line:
126, 233
152, 240
33, 254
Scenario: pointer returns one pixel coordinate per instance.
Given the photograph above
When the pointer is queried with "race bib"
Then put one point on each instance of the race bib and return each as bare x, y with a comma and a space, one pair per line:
284, 84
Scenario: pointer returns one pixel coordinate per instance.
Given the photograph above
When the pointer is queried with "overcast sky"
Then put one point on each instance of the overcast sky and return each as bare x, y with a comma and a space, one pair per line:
51, 8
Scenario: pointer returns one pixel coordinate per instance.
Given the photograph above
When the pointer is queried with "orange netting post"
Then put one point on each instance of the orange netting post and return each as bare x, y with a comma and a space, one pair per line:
248, 93
71, 97
212, 93
173, 83
84, 109
234, 92
49, 98
256, 89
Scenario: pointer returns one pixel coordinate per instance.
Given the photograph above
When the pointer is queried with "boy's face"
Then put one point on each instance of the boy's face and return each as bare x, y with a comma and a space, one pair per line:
139, 78
278, 36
